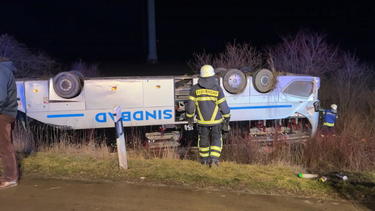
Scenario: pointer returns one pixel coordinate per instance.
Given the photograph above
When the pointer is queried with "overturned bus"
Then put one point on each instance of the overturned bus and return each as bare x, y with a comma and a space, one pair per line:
268, 102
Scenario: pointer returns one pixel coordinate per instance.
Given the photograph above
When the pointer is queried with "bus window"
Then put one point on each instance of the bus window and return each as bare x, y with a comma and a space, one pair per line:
299, 88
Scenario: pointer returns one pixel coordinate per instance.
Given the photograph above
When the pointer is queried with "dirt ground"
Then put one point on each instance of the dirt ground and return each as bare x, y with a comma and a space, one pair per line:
40, 194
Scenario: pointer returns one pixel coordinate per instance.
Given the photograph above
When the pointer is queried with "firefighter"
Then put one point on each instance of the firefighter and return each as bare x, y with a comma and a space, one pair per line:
207, 102
329, 120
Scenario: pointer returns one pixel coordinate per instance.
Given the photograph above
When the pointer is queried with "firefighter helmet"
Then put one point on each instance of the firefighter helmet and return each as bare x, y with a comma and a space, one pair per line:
207, 71
334, 107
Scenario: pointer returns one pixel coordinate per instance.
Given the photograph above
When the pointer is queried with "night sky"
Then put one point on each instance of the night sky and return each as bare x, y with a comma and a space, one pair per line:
113, 31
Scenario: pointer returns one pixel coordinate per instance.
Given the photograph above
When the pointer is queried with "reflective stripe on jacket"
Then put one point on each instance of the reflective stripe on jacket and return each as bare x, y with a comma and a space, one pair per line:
329, 124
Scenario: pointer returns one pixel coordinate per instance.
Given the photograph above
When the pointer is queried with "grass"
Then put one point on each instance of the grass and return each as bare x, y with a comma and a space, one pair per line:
275, 179
83, 155
92, 162
262, 179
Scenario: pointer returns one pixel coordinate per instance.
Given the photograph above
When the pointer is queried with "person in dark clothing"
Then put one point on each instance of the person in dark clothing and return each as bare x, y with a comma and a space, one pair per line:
207, 102
8, 113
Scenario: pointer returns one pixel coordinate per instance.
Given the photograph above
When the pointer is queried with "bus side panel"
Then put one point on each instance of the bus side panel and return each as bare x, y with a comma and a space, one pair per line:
106, 94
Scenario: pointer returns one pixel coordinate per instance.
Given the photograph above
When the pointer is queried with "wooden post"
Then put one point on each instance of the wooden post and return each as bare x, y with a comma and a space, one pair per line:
120, 141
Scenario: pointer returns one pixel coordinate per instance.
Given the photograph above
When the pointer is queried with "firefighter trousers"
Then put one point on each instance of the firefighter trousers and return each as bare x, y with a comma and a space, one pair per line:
210, 141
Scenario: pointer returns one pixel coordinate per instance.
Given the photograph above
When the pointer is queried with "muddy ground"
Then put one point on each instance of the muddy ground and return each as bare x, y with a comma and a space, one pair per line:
41, 194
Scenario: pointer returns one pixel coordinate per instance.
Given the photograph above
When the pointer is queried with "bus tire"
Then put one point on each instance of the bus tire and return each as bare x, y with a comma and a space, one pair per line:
264, 80
68, 84
234, 81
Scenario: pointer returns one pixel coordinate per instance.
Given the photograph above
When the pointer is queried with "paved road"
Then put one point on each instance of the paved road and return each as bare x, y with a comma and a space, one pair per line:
56, 195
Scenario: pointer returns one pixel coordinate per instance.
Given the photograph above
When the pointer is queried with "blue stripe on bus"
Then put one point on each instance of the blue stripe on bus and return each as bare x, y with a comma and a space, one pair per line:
65, 115
261, 107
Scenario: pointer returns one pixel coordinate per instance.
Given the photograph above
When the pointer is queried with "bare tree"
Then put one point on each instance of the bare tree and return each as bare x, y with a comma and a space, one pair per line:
234, 56
304, 53
28, 64
349, 86
89, 70
200, 59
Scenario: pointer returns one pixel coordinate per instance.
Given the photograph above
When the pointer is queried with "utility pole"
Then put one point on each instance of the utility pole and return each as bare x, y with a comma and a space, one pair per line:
152, 49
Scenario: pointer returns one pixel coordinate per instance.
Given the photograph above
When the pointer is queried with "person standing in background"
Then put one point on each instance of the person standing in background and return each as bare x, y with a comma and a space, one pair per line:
329, 119
8, 113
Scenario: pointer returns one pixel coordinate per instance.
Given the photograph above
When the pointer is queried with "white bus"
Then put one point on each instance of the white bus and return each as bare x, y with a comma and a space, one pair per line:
270, 102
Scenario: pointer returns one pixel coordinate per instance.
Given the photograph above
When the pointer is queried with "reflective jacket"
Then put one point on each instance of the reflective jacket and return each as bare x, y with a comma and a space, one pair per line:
329, 118
207, 101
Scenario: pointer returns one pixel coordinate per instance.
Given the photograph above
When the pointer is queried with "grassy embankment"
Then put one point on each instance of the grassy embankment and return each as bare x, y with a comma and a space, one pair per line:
262, 179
